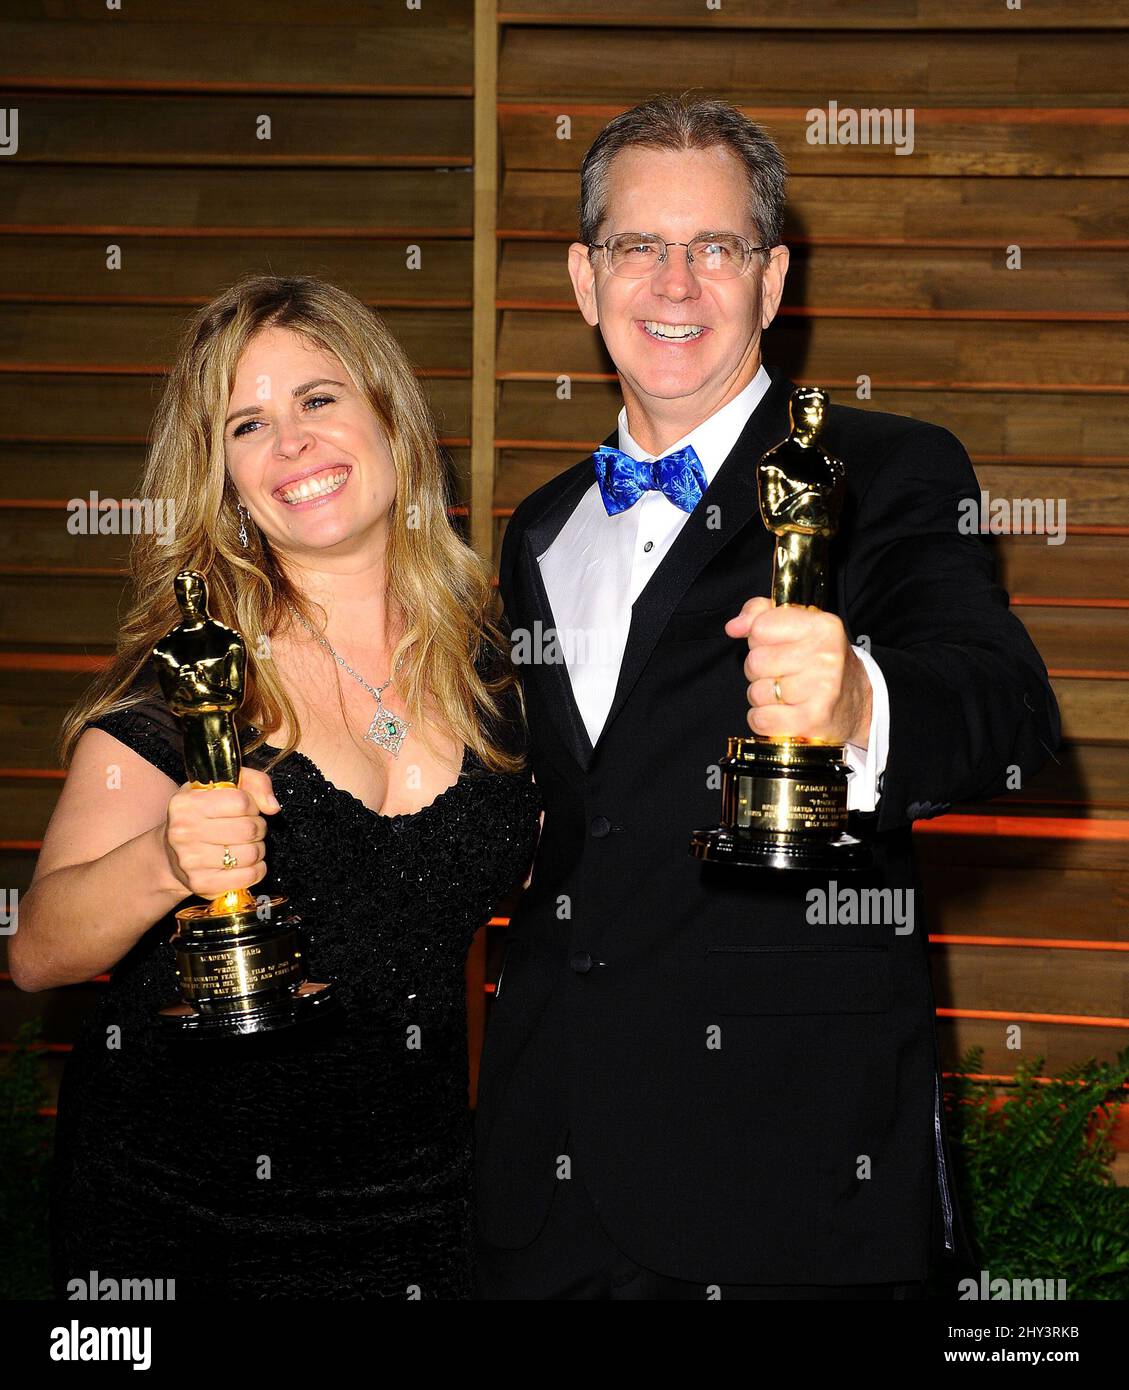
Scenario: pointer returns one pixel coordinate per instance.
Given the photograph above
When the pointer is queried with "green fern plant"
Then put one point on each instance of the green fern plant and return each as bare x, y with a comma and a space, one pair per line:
1034, 1174
25, 1154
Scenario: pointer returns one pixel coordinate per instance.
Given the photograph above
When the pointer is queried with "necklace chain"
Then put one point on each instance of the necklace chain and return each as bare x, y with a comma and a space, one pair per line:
324, 642
387, 729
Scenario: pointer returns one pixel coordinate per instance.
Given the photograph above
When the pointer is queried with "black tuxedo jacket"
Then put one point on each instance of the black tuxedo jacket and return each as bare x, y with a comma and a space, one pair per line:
748, 1097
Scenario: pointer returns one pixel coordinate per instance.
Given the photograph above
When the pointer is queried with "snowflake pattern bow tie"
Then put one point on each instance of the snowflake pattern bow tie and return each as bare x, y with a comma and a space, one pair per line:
680, 477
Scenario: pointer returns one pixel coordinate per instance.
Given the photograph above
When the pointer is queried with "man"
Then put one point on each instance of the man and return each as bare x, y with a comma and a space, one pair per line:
693, 1086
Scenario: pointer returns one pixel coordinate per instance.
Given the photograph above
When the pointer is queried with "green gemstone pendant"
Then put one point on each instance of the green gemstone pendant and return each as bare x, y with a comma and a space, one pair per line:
387, 730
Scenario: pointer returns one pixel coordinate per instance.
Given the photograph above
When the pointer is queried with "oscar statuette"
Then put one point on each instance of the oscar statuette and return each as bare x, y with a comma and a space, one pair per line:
784, 800
239, 961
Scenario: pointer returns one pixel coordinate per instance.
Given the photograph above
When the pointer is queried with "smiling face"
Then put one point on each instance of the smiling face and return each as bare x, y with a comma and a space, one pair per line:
678, 194
304, 448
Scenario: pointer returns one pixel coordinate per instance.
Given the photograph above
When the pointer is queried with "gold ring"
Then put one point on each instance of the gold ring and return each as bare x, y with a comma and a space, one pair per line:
776, 691
229, 859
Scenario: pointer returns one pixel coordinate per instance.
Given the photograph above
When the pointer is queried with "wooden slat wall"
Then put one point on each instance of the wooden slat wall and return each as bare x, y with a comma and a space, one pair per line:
898, 271
137, 128
438, 126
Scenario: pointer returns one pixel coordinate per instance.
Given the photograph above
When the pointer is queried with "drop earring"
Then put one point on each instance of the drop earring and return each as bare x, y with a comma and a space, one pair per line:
243, 515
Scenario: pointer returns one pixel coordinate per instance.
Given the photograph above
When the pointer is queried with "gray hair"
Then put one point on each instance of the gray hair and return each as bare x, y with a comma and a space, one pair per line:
682, 122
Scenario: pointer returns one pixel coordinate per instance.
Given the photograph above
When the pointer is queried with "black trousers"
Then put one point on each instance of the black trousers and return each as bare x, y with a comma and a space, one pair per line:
574, 1257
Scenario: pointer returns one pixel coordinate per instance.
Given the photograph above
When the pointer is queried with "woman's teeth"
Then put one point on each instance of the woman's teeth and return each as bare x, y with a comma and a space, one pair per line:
320, 486
673, 330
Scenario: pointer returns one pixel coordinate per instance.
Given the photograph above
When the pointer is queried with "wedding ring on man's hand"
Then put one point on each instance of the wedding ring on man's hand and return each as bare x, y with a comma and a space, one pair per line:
229, 859
776, 691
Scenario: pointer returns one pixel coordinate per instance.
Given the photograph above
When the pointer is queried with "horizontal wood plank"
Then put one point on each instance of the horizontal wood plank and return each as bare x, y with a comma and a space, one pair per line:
1086, 983
1060, 1046
804, 70
402, 57
193, 270
1079, 638
167, 131
293, 14
112, 409
276, 202
26, 806
1093, 495
1083, 567
994, 899
97, 338
1081, 775
826, 15
54, 613
874, 210
540, 433
892, 353
993, 141
930, 282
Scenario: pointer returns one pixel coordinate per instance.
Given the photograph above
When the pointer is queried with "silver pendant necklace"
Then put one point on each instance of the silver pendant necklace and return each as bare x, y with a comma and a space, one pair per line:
387, 730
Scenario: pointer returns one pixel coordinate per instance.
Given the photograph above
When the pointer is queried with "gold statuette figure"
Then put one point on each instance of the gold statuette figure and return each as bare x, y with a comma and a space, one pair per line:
239, 960
784, 800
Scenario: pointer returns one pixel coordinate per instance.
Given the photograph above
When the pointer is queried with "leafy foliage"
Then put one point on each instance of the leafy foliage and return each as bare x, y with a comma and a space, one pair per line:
1033, 1171
25, 1155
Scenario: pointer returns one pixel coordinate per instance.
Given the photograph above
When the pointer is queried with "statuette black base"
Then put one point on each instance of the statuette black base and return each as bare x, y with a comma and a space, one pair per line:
251, 1015
242, 972
843, 854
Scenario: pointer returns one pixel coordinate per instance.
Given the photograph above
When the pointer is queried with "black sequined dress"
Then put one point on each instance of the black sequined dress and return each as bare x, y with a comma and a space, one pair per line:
333, 1161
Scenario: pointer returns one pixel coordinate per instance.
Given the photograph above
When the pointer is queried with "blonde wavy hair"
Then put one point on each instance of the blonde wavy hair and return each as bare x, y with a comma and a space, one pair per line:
436, 582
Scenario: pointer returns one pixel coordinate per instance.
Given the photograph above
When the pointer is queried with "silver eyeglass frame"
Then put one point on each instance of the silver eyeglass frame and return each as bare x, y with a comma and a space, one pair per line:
748, 245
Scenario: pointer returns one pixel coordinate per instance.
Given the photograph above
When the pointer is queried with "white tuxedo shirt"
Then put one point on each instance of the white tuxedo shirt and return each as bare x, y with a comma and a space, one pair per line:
597, 566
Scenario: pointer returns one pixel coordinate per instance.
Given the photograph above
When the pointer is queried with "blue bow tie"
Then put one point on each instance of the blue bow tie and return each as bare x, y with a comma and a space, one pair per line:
680, 477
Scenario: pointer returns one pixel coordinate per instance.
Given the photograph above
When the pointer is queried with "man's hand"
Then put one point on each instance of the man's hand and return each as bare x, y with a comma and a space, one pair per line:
824, 689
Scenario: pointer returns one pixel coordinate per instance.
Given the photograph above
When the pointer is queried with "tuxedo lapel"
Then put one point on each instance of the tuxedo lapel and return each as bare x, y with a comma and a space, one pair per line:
552, 676
732, 493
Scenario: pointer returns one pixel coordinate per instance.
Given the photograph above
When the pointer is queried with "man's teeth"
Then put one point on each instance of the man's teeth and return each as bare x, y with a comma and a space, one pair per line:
672, 330
314, 487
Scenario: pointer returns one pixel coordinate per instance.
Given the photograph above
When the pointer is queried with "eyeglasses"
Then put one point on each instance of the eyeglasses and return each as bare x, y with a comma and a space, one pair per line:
717, 256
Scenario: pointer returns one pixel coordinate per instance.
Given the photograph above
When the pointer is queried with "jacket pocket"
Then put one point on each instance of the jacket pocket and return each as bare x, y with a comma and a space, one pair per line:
799, 980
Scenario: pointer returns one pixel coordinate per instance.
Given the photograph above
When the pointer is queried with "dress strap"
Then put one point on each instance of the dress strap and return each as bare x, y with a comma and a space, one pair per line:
150, 729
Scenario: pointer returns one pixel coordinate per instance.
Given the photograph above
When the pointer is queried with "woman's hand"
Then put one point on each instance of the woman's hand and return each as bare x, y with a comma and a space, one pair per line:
201, 822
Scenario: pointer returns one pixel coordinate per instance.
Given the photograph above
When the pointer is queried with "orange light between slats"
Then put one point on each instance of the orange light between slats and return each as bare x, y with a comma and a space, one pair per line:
1049, 943
51, 661
1077, 1020
1025, 827
1009, 1079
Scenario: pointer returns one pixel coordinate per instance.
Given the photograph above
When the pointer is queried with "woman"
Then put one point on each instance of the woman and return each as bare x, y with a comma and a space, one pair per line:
297, 450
